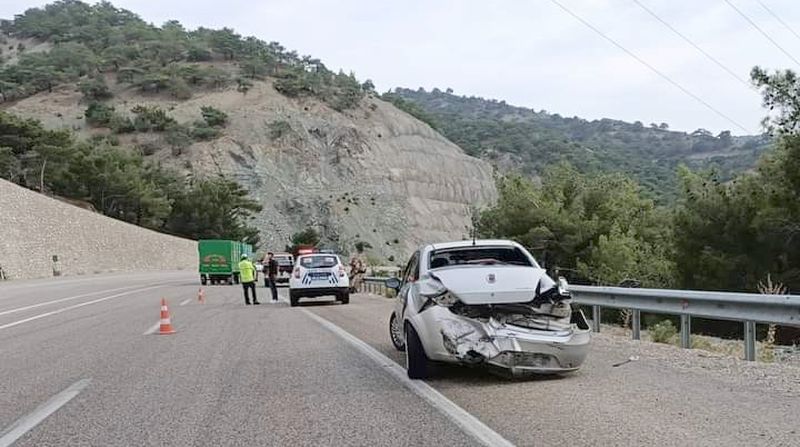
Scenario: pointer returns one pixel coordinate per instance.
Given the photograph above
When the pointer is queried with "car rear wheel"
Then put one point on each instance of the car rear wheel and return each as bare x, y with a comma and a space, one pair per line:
344, 297
293, 299
417, 364
396, 333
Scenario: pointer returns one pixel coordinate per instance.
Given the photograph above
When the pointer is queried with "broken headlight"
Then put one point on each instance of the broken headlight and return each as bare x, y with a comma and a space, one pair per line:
563, 287
445, 299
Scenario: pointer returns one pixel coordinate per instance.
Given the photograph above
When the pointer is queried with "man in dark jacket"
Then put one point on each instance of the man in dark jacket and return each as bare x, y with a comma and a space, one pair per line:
270, 273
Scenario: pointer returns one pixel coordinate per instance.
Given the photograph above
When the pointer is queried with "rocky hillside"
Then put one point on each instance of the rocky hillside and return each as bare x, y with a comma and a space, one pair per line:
314, 147
371, 173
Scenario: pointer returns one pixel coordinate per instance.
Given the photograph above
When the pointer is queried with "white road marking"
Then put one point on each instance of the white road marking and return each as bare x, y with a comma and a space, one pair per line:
468, 423
75, 306
185, 302
31, 420
61, 300
152, 329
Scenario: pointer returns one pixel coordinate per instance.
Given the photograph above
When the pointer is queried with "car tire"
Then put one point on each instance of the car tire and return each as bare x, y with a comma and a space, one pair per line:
293, 299
203, 280
396, 333
417, 364
344, 297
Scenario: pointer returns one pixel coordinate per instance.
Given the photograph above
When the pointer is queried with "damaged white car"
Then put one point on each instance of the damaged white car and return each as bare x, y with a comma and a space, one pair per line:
485, 302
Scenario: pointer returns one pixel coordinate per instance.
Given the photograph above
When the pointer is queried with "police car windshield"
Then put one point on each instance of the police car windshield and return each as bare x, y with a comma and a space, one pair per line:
318, 261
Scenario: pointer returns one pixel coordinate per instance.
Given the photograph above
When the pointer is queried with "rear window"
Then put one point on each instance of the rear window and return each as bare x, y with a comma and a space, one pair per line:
283, 260
320, 261
478, 256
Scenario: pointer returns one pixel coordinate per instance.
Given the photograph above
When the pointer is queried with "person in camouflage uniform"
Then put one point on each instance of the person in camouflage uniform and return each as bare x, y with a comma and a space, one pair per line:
357, 270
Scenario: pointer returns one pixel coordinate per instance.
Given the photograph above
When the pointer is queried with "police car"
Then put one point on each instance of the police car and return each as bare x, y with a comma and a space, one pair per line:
319, 274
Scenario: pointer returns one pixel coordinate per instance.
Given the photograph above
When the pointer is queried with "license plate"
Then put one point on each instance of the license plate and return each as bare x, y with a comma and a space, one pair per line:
319, 275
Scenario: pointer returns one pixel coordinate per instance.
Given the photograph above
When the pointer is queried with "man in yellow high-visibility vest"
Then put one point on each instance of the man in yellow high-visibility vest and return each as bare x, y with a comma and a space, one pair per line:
247, 275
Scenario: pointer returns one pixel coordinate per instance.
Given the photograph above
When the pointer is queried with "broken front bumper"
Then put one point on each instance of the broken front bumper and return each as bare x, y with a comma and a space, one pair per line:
514, 349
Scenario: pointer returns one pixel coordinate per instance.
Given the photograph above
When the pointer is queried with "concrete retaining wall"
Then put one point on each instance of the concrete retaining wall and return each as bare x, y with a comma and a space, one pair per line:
34, 228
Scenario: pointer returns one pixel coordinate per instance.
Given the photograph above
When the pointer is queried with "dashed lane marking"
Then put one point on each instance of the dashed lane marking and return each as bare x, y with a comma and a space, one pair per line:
75, 306
42, 412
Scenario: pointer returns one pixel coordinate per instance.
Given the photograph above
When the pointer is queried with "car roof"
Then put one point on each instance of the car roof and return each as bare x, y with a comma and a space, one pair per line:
476, 243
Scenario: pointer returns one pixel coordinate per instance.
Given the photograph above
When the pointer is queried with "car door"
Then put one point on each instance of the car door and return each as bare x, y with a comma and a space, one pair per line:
409, 277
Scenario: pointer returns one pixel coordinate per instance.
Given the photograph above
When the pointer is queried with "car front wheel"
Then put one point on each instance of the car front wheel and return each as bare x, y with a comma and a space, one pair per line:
396, 333
417, 364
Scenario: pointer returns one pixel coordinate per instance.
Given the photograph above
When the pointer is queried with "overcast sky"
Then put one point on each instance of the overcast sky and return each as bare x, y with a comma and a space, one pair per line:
528, 52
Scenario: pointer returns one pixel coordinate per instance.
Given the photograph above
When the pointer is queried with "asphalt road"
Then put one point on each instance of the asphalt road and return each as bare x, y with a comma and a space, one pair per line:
78, 367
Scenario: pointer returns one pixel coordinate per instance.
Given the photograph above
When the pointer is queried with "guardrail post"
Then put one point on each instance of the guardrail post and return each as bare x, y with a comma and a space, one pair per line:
596, 318
636, 324
686, 331
750, 340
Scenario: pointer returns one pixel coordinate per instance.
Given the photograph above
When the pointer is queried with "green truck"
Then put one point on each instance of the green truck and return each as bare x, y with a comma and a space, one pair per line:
219, 260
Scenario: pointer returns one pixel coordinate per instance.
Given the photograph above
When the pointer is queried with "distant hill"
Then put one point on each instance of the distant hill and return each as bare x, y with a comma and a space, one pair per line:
524, 139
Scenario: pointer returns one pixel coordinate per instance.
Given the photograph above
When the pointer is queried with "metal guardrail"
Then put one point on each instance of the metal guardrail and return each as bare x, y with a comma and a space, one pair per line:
749, 308
373, 284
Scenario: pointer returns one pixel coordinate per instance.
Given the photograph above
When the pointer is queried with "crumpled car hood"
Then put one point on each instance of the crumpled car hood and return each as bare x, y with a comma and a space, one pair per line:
493, 284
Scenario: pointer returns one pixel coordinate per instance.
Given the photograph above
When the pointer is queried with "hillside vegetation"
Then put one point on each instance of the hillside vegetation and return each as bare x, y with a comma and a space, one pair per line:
101, 51
533, 141
719, 235
289, 144
87, 41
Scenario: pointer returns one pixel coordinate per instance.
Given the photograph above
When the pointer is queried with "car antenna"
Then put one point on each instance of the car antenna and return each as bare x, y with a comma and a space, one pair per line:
473, 236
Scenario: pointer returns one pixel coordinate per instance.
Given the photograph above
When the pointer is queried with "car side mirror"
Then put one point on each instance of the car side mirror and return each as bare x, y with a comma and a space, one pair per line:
393, 283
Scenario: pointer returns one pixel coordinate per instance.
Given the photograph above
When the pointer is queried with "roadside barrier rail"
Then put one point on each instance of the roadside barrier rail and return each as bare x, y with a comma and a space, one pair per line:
748, 308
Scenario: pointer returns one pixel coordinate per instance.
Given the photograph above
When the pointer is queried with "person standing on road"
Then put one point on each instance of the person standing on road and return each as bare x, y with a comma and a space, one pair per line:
357, 270
247, 274
270, 273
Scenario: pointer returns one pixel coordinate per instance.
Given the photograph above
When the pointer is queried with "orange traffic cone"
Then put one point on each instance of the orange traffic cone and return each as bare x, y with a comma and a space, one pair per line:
201, 296
166, 324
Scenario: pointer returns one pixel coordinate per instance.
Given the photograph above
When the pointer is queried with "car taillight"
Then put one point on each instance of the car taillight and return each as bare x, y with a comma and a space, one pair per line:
341, 271
297, 272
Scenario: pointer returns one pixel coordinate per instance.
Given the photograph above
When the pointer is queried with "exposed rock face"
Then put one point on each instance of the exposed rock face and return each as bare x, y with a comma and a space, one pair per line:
372, 173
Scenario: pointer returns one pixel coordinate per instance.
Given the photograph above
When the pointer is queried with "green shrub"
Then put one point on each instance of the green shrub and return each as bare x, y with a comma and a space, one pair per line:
197, 53
99, 114
201, 131
95, 89
278, 129
214, 117
179, 89
151, 118
178, 137
121, 124
663, 332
